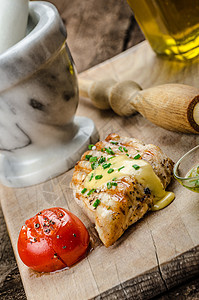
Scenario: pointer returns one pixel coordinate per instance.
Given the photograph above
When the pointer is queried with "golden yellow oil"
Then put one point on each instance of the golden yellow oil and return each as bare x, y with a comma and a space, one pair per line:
170, 26
194, 173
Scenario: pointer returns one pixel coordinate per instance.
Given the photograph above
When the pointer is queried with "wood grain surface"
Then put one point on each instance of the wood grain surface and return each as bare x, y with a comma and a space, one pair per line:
174, 270
157, 253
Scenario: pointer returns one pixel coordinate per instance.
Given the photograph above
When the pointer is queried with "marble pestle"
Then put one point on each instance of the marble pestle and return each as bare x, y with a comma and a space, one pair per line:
40, 137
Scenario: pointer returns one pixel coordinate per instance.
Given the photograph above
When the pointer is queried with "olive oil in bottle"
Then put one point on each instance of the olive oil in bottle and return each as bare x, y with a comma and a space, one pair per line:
170, 26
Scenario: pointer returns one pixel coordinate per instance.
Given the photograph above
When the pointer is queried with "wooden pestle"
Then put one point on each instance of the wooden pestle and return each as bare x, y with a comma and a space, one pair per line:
171, 106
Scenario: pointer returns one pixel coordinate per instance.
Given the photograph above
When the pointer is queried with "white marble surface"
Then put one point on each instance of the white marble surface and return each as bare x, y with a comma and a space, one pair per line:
13, 22
39, 136
34, 164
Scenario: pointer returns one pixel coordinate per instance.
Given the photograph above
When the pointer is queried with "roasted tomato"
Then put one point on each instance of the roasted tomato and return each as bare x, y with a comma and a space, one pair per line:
52, 240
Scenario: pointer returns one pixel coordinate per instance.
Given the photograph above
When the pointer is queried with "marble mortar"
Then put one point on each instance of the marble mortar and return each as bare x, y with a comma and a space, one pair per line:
40, 137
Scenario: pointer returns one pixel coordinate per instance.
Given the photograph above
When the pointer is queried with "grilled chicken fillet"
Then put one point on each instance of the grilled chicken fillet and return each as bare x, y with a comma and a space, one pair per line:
123, 200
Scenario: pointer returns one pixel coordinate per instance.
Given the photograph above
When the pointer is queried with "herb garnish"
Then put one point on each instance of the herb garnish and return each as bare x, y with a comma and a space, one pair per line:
114, 143
94, 165
91, 177
93, 159
110, 171
137, 156
87, 157
120, 148
110, 151
101, 160
91, 191
136, 167
105, 166
121, 168
125, 150
110, 184
98, 177
90, 146
84, 191
110, 157
96, 203
197, 183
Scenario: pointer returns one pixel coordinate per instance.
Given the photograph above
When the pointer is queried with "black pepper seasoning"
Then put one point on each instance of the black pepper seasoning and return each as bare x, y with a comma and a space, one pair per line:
147, 191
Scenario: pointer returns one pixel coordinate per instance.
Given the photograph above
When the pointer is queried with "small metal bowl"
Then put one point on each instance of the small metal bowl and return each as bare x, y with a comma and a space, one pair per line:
183, 170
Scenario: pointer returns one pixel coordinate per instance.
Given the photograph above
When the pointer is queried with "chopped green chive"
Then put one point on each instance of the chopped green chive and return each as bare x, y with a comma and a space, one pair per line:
114, 143
91, 191
111, 157
93, 159
127, 154
109, 185
105, 166
91, 177
197, 183
114, 178
120, 148
94, 165
110, 151
96, 203
98, 177
103, 149
110, 171
87, 157
108, 208
137, 156
136, 167
121, 168
101, 160
84, 191
90, 146
125, 150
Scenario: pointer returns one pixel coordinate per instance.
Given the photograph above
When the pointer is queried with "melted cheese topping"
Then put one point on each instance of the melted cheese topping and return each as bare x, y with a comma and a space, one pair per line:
121, 166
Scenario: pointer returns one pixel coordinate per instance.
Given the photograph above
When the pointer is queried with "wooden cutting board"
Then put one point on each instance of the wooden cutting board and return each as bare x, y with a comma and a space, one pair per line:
157, 253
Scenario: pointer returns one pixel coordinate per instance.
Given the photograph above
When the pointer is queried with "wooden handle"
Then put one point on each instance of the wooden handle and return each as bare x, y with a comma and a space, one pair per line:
171, 106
